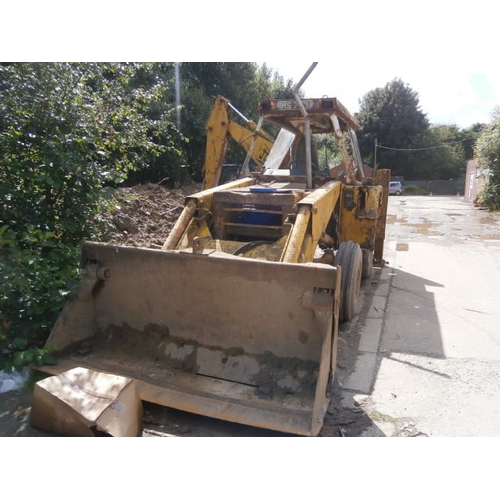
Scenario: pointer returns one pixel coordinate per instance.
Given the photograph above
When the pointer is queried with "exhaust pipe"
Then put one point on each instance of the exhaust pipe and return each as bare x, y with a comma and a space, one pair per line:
307, 126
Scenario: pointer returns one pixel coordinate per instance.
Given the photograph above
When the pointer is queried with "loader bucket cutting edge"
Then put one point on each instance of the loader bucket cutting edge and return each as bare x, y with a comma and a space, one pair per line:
242, 340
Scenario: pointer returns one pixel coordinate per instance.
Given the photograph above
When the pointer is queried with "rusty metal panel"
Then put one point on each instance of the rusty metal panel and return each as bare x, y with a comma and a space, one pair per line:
286, 113
359, 213
383, 176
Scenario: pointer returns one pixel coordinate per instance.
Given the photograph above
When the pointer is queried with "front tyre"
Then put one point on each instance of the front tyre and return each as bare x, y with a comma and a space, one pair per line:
350, 258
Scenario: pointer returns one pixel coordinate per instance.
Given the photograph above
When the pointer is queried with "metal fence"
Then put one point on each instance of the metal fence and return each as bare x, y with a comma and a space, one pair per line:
443, 188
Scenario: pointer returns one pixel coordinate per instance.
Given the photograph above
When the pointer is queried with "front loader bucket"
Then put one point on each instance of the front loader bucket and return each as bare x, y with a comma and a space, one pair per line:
242, 340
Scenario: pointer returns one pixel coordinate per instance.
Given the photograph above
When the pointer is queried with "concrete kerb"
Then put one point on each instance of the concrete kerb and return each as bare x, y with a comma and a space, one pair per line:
361, 380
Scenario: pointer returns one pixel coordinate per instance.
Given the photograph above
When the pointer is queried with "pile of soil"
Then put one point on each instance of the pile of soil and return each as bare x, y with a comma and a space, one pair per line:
144, 215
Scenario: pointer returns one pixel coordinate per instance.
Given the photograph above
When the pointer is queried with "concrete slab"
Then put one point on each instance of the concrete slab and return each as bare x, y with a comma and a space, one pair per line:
377, 307
361, 380
370, 335
438, 363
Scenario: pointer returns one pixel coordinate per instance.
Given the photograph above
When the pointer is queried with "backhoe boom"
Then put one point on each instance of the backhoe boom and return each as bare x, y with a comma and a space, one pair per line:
220, 126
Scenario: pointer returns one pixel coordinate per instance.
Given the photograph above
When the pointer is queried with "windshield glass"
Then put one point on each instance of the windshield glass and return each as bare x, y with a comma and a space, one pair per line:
279, 150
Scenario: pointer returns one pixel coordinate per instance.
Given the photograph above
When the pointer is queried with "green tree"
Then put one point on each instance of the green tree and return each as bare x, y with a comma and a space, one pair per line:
243, 83
470, 136
391, 115
447, 157
328, 151
162, 164
487, 153
270, 84
66, 130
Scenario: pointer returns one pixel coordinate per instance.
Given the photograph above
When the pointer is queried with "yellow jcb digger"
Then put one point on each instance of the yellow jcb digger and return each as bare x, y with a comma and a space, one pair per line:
237, 316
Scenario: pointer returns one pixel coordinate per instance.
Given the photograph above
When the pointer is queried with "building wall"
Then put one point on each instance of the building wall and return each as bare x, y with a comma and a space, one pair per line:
474, 181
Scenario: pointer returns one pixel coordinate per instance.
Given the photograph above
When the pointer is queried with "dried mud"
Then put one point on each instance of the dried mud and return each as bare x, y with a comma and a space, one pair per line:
144, 215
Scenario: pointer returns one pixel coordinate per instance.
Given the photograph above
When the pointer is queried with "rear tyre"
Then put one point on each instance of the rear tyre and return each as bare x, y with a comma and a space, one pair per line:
350, 258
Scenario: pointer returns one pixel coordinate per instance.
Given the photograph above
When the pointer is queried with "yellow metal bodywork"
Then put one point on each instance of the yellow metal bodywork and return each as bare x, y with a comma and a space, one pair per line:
382, 178
209, 326
247, 337
310, 210
315, 211
359, 213
220, 126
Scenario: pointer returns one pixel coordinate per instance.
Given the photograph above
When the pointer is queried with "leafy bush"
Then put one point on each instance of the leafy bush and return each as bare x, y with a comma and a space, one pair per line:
414, 190
36, 269
488, 155
66, 130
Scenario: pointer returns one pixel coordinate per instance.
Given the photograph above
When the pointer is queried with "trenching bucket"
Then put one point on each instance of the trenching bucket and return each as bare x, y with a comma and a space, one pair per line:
238, 339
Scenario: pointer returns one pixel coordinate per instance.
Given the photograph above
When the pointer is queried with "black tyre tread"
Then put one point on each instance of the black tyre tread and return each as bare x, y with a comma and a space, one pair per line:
350, 257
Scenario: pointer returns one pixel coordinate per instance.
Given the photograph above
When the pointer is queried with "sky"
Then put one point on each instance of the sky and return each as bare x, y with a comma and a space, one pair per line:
448, 51
457, 95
